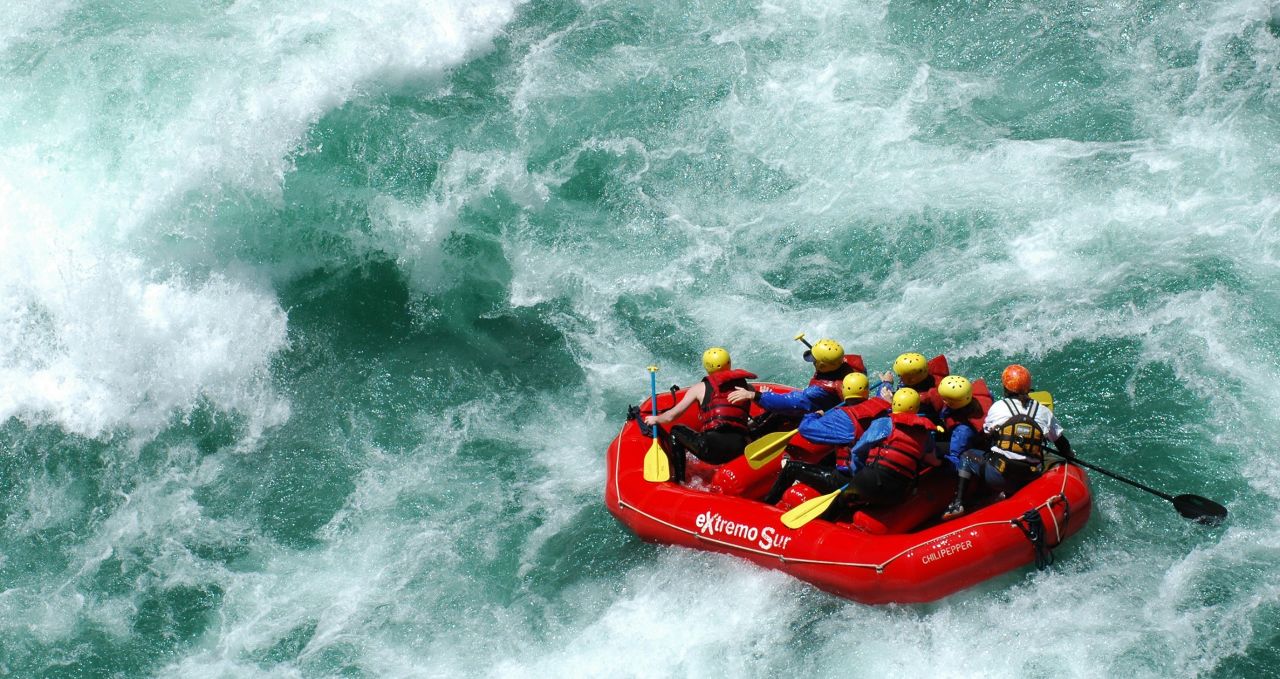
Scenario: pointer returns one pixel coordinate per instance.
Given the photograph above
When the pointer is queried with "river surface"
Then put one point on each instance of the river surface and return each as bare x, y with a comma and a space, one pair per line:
317, 318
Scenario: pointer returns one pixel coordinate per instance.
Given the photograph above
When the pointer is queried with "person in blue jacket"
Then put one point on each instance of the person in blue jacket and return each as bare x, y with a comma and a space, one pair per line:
823, 391
963, 415
883, 464
825, 435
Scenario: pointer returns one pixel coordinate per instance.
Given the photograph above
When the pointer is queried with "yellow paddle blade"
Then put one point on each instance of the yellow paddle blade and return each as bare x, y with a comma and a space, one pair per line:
1044, 397
657, 468
762, 450
809, 510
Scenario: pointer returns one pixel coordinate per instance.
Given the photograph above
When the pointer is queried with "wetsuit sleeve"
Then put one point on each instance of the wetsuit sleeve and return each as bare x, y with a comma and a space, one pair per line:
834, 428
877, 432
796, 402
1064, 446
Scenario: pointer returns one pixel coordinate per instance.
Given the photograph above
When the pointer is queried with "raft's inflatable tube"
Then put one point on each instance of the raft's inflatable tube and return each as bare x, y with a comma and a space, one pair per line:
879, 557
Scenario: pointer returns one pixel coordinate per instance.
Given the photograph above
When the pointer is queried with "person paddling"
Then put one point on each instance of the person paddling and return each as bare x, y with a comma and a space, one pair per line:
824, 437
824, 391
884, 463
723, 423
964, 413
1017, 427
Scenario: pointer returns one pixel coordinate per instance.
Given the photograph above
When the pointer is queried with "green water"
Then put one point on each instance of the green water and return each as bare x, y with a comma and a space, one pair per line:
316, 320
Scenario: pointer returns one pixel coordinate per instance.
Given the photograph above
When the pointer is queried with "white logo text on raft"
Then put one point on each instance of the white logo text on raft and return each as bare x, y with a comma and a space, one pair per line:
714, 524
943, 550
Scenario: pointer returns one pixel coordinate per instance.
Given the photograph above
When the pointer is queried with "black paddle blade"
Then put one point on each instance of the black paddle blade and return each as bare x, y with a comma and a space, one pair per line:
1201, 509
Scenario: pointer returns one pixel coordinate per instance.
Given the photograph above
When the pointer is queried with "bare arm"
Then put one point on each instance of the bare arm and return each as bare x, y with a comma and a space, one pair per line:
694, 394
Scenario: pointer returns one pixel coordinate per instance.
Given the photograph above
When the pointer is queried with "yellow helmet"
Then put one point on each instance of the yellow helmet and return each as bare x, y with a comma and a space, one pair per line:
956, 391
912, 368
827, 355
715, 359
855, 386
906, 400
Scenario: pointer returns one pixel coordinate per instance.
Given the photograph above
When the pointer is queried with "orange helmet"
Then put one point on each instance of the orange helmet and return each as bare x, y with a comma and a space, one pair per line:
1016, 379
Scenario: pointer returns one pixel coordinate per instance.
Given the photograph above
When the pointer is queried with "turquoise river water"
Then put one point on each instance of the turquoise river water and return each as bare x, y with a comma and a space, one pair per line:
316, 320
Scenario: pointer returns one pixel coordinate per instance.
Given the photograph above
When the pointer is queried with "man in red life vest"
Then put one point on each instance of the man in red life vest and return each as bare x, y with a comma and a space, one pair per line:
724, 423
963, 414
922, 375
884, 462
830, 366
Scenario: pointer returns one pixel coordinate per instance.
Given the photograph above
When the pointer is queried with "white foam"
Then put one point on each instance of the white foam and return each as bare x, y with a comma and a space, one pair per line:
100, 329
22, 19
648, 628
93, 340
150, 531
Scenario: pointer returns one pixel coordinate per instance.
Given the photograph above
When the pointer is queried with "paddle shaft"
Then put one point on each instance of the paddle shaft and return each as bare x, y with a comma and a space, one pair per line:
1105, 472
653, 390
657, 468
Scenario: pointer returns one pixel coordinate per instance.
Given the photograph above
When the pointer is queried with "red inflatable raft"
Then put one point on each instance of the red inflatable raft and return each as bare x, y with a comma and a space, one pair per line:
900, 554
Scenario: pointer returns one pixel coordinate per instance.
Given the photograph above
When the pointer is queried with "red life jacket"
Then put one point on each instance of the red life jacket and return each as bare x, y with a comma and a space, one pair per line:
861, 414
928, 388
832, 381
974, 414
903, 451
804, 450
718, 414
938, 367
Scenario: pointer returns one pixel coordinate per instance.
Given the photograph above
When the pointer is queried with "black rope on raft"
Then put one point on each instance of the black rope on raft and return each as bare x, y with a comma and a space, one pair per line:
1032, 527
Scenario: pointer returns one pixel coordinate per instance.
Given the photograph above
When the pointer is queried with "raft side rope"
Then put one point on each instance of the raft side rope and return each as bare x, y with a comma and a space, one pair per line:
1060, 530
1032, 526
617, 460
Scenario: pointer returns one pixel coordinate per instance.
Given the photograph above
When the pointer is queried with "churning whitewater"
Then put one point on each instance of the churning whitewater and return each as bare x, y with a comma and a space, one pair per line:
316, 321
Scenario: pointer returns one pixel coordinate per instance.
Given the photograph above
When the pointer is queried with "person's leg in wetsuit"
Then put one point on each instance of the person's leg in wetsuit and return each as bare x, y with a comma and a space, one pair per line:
716, 447
971, 466
871, 486
822, 479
